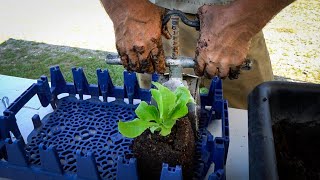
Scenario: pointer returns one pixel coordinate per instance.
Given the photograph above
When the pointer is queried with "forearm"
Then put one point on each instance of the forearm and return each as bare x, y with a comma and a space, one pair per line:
119, 10
116, 7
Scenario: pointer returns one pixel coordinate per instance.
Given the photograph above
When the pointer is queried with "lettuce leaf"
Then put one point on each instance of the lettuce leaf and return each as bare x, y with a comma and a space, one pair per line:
183, 98
165, 99
147, 112
134, 128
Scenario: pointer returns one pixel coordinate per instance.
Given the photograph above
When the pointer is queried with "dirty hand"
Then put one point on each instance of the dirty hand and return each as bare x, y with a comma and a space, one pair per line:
224, 40
138, 29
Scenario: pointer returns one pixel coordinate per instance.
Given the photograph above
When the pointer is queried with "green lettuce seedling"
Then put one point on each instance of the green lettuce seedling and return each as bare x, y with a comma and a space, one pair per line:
171, 107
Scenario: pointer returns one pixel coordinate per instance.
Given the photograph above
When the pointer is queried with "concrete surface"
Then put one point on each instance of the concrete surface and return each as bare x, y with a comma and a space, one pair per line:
75, 23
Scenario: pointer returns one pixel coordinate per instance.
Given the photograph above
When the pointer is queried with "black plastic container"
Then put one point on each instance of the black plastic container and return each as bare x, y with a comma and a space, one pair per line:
284, 131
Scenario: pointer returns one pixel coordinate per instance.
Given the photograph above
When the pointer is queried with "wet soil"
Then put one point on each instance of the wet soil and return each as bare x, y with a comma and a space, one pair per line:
297, 149
178, 148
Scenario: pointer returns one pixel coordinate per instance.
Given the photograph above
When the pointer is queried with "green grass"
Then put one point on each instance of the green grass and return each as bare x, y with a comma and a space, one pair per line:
286, 30
29, 59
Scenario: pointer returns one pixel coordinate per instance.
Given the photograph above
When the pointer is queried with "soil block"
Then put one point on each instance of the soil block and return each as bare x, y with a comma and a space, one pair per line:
178, 148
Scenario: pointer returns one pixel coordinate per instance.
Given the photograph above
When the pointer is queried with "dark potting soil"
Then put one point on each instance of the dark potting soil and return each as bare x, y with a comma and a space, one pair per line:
178, 148
297, 149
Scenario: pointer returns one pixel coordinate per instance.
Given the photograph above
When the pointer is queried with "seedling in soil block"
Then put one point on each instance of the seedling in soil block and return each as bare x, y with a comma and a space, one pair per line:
171, 107
163, 134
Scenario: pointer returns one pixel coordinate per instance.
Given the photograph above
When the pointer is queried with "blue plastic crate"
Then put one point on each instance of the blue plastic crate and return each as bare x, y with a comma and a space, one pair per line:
80, 138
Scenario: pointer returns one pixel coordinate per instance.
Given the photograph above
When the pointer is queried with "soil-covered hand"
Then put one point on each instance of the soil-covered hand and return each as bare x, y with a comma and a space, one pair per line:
226, 32
138, 29
224, 41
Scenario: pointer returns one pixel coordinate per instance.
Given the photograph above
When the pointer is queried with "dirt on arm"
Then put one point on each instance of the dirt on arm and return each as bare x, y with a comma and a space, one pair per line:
226, 32
138, 30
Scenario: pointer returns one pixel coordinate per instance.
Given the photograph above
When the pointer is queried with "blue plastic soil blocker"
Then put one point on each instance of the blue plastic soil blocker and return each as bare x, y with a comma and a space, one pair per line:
80, 139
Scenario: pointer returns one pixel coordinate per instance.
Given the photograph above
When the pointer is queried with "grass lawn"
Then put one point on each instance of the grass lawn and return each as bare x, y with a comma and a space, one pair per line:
31, 60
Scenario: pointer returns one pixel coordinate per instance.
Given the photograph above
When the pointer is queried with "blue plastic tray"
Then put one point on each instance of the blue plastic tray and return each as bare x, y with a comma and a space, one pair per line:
80, 138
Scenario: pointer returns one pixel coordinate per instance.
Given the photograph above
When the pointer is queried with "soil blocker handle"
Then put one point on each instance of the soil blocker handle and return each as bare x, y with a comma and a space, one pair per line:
184, 19
185, 62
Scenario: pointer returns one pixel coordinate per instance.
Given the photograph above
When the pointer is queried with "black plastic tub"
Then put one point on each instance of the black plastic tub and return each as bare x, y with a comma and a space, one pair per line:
284, 131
